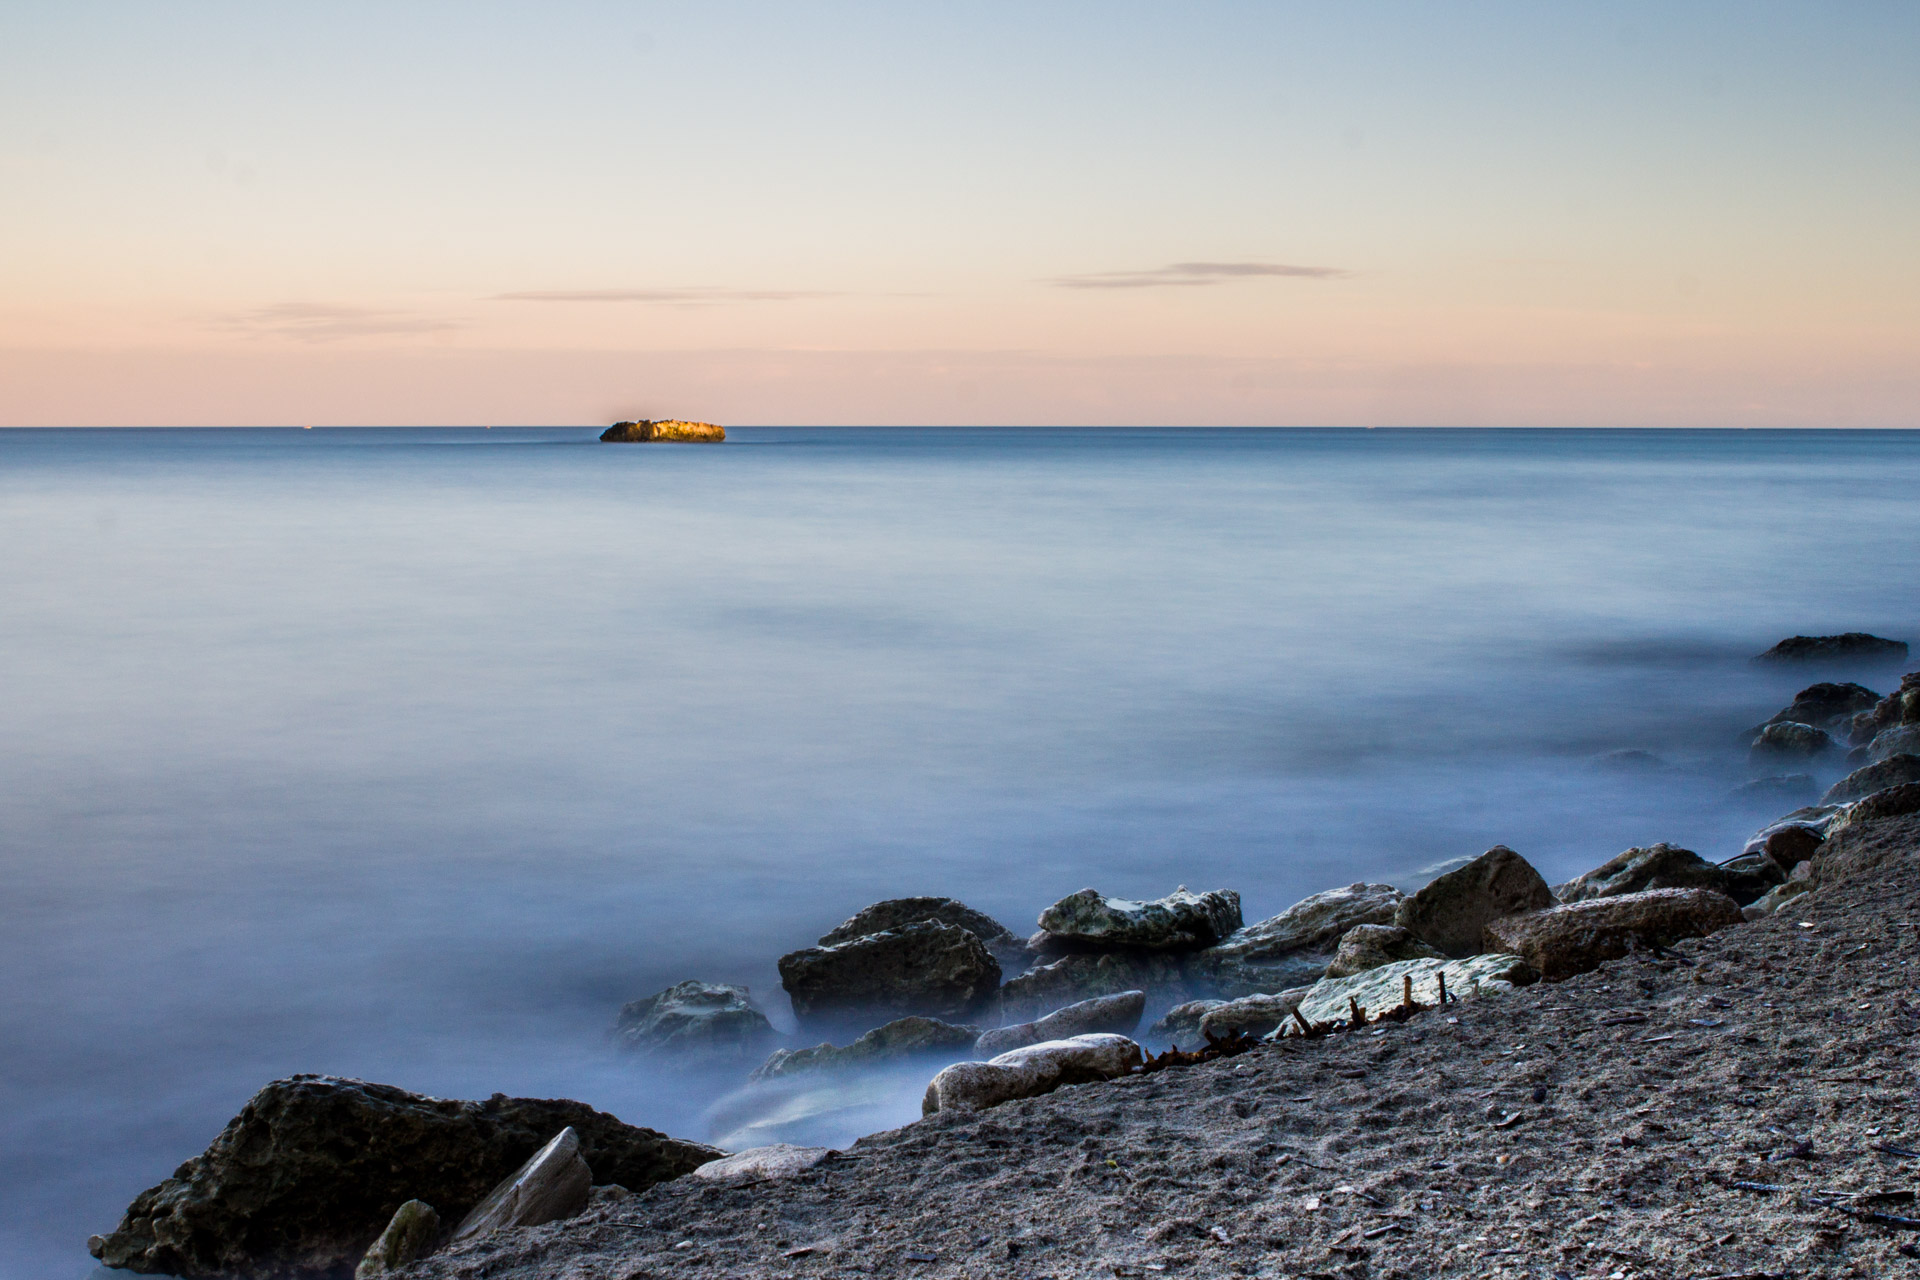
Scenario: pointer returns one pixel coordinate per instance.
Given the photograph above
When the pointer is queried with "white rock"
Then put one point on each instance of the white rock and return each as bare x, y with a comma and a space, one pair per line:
1118, 1014
1029, 1072
781, 1160
553, 1184
1378, 990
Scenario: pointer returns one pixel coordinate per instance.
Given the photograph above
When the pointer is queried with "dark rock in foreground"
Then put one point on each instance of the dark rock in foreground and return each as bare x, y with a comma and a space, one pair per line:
1853, 644
1571, 939
1453, 909
1657, 866
927, 968
310, 1172
666, 430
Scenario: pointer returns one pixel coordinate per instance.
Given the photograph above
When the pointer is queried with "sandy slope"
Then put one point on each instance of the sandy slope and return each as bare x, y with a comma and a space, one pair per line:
1589, 1128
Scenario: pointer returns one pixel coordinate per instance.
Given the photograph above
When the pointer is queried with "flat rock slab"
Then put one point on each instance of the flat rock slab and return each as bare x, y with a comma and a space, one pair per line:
1314, 924
1453, 909
1566, 940
1181, 921
780, 1160
1117, 1014
1655, 866
1030, 1072
1377, 990
926, 968
551, 1185
901, 1038
1850, 645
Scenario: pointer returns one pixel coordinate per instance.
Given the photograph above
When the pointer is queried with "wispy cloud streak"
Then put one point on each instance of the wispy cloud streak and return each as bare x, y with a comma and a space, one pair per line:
316, 322
671, 297
1194, 274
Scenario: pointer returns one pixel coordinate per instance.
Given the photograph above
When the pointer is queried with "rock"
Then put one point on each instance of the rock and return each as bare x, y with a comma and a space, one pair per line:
1181, 921
1853, 645
1775, 898
664, 429
763, 1164
411, 1235
1750, 875
551, 1185
894, 912
1896, 769
1902, 706
1117, 1014
1894, 802
1781, 788
1180, 1025
1253, 1015
1368, 946
1826, 705
1817, 818
1790, 846
1384, 988
927, 968
1229, 978
1901, 740
1316, 923
1453, 910
1657, 866
1789, 741
1565, 940
1075, 978
313, 1168
1029, 1072
700, 1017
1629, 760
901, 1038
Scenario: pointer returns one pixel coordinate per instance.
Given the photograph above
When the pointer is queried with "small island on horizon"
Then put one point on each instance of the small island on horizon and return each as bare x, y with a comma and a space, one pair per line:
665, 429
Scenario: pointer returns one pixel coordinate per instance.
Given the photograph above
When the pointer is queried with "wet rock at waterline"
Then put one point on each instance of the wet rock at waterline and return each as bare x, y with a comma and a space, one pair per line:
1656, 866
1787, 740
693, 1017
1852, 645
763, 1164
1074, 978
1180, 1025
1630, 760
1902, 706
1565, 940
551, 1185
901, 1038
1368, 946
411, 1235
1453, 909
1332, 999
1781, 788
1817, 818
1901, 767
895, 912
312, 1169
1117, 1014
926, 968
1315, 923
664, 430
1826, 706
1181, 921
1030, 1072
1903, 739
1894, 802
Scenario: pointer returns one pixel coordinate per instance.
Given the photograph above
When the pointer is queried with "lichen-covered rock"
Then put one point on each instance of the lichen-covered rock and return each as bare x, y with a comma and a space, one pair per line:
1851, 645
1314, 924
551, 1185
927, 968
1117, 1014
1368, 946
1656, 866
1826, 706
664, 430
1377, 990
693, 1017
1901, 739
1453, 909
763, 1164
300, 1183
1181, 921
1074, 978
895, 912
1251, 1015
901, 1038
1892, 771
1577, 936
411, 1235
1030, 1071
1787, 740
1180, 1025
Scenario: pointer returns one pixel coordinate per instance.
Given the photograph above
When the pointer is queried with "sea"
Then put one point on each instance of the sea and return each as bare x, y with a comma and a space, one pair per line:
411, 755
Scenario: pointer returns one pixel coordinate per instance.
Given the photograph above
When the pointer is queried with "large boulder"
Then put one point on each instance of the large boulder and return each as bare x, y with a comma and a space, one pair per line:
1075, 978
895, 912
927, 968
1853, 645
1453, 909
1030, 1071
1368, 946
1181, 921
765, 1164
1378, 990
1826, 706
299, 1184
664, 429
1250, 1015
1656, 866
1117, 1014
901, 1038
1787, 740
1901, 739
1894, 770
695, 1017
1565, 940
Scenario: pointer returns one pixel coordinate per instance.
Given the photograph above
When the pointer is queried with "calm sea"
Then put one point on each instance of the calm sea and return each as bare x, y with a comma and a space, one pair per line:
412, 754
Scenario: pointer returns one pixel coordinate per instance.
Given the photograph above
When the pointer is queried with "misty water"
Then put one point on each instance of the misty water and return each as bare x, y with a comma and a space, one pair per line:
411, 755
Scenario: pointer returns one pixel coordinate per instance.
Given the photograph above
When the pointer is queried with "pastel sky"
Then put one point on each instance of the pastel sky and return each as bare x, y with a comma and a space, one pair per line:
1693, 214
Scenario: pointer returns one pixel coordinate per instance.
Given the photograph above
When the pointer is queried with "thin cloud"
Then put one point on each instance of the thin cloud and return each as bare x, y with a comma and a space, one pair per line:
315, 322
668, 297
1194, 274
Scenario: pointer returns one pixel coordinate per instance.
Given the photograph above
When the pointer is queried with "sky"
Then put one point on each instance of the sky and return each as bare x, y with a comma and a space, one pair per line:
1573, 214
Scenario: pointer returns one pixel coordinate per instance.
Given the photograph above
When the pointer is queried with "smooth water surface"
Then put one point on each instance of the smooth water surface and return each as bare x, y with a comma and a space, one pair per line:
411, 755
